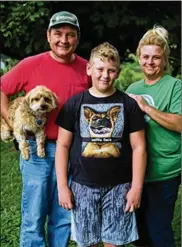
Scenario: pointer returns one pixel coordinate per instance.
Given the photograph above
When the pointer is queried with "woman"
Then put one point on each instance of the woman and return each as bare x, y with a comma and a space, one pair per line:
159, 97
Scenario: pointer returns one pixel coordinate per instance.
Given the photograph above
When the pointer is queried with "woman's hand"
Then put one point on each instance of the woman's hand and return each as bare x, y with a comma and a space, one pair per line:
140, 101
133, 199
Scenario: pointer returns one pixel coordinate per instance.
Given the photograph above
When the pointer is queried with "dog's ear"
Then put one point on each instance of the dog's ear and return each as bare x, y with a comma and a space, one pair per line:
88, 112
26, 100
55, 100
113, 112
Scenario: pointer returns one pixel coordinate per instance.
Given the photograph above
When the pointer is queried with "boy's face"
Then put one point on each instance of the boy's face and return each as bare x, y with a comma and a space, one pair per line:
103, 74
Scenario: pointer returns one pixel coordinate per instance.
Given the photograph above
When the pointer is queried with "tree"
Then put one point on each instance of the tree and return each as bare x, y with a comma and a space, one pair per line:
24, 25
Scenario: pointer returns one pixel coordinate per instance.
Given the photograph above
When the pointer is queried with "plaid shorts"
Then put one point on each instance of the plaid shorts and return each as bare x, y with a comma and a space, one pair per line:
99, 215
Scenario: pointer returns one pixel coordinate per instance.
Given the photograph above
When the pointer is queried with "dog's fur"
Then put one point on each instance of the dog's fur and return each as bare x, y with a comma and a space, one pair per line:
30, 114
101, 125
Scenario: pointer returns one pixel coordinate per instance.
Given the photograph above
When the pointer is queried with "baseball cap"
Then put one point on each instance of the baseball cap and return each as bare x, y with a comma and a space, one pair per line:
64, 17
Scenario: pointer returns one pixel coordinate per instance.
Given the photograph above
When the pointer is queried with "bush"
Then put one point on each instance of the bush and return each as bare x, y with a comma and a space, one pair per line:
9, 63
130, 72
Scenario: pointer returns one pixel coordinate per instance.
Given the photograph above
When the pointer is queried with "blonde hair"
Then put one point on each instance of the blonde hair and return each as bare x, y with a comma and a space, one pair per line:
156, 36
105, 51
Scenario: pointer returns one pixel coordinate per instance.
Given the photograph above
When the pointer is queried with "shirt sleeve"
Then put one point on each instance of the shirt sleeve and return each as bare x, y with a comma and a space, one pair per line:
129, 89
15, 79
66, 117
175, 102
136, 117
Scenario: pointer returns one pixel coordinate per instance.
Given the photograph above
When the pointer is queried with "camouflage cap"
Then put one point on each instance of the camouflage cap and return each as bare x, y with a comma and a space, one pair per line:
64, 17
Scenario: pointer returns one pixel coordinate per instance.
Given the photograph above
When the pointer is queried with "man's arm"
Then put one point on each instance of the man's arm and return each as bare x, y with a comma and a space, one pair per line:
61, 164
169, 121
137, 140
4, 108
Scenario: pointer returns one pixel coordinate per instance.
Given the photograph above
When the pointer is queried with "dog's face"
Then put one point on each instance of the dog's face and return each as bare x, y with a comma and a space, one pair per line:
101, 124
41, 100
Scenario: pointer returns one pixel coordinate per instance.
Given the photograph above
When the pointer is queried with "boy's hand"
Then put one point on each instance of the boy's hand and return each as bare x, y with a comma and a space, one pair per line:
133, 199
65, 197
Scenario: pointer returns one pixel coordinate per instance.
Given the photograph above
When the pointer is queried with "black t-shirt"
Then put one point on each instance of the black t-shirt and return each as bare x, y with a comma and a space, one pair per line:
100, 153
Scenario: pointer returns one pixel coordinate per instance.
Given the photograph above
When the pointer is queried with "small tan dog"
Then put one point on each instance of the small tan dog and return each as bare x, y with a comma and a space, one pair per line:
30, 114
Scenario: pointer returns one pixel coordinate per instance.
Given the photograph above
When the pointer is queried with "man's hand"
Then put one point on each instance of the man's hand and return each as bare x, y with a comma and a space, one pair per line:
133, 199
65, 197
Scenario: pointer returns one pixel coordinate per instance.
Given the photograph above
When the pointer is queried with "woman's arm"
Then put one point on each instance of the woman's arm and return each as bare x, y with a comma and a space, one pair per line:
169, 121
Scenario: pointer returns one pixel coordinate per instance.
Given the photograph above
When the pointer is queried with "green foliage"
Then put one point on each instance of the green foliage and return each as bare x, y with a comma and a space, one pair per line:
10, 63
178, 76
122, 23
11, 200
24, 21
130, 72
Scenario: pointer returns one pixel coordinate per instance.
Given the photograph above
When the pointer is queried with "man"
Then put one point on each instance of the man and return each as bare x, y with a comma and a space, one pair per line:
102, 130
64, 72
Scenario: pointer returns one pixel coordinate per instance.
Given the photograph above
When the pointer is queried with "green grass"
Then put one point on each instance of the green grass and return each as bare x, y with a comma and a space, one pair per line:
11, 200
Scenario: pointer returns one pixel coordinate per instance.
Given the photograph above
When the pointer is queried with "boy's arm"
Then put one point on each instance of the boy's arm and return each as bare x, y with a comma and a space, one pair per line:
137, 141
61, 164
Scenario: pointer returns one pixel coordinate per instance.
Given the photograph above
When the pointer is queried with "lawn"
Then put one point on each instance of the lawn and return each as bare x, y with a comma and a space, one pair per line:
11, 197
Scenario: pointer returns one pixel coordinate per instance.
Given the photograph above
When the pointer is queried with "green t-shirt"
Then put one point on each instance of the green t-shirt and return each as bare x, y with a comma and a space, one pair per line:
163, 145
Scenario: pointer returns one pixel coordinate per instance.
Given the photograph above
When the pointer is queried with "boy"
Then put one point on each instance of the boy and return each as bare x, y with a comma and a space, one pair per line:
102, 132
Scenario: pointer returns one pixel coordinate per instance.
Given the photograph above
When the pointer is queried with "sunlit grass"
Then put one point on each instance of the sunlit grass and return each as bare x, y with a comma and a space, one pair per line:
11, 199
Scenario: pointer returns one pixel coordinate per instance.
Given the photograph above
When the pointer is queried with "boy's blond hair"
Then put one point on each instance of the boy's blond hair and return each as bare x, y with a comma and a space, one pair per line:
156, 36
105, 51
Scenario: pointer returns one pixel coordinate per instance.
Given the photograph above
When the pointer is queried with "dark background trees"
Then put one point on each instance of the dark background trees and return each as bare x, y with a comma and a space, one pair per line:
122, 23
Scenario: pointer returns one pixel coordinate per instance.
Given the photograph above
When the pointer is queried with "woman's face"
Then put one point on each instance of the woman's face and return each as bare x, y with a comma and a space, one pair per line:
152, 61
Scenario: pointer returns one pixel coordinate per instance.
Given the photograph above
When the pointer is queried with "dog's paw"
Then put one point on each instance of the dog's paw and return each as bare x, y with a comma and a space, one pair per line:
25, 154
41, 153
6, 136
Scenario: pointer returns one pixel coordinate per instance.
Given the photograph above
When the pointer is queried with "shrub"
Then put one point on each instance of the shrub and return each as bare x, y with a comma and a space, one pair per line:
130, 72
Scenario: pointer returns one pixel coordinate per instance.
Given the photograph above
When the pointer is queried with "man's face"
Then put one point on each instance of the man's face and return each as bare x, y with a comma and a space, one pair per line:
152, 60
63, 41
103, 74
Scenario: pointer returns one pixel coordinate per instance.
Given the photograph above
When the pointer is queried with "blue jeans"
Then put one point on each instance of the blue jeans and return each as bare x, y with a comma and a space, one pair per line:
155, 215
40, 199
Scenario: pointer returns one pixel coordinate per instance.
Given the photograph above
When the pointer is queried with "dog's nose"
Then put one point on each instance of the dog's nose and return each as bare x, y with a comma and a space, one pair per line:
43, 107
